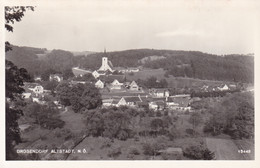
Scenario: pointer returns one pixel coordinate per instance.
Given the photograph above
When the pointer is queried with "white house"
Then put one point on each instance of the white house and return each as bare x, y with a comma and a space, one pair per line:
99, 84
129, 101
26, 95
160, 92
157, 105
107, 102
134, 86
116, 84
56, 77
223, 88
95, 74
35, 87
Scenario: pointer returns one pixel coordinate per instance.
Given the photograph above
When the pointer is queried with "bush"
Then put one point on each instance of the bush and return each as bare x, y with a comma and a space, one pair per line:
198, 153
134, 151
152, 149
122, 135
52, 123
115, 152
191, 132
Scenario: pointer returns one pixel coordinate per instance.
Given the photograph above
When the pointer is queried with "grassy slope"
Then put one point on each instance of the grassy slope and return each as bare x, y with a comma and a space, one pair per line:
174, 82
227, 149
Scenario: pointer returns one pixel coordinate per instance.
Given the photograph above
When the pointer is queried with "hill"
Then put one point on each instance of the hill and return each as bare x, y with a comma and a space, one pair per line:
192, 64
177, 63
36, 60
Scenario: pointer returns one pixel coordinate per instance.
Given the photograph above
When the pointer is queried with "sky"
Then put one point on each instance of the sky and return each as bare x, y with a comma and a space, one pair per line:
217, 27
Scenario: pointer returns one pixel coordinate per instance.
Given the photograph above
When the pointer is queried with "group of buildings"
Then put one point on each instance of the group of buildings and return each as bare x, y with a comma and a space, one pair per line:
132, 94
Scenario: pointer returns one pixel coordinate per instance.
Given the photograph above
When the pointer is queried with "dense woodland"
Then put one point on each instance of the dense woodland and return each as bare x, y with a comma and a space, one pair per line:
193, 64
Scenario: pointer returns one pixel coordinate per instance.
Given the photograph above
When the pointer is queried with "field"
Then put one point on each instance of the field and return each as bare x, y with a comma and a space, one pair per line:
228, 149
173, 82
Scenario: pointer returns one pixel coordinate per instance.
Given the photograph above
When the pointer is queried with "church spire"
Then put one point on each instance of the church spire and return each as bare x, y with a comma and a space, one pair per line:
105, 50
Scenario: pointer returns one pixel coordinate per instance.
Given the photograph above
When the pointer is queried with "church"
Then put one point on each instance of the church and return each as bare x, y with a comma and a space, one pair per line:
106, 67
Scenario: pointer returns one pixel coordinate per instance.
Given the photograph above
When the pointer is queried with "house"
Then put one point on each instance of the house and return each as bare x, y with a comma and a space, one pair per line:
107, 102
158, 104
124, 70
79, 72
180, 103
159, 92
170, 102
129, 101
56, 77
116, 85
204, 88
133, 86
223, 88
38, 78
99, 84
35, 87
132, 69
27, 93
95, 74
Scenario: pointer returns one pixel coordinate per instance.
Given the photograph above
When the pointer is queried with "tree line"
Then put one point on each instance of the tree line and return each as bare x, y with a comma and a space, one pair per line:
193, 64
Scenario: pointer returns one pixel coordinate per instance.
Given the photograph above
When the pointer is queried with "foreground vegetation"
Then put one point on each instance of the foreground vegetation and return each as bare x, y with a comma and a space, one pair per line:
127, 133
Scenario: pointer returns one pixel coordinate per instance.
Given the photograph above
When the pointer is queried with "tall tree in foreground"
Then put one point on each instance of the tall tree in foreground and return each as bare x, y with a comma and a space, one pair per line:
14, 82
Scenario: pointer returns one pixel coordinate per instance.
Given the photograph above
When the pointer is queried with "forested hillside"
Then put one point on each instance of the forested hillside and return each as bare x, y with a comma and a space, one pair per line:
27, 57
192, 64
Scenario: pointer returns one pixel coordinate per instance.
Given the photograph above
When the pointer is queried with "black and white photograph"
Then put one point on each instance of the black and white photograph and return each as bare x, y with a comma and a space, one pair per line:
130, 80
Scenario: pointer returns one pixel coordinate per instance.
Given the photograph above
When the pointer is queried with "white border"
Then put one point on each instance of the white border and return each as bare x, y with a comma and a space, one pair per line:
119, 164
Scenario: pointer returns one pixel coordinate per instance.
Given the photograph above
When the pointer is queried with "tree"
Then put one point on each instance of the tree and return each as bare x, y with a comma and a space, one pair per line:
67, 73
91, 97
14, 82
87, 77
50, 85
79, 96
46, 74
44, 115
195, 119
64, 93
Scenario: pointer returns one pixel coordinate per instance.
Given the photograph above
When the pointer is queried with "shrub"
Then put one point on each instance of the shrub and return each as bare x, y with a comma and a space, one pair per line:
152, 149
198, 153
115, 152
52, 123
134, 151
122, 135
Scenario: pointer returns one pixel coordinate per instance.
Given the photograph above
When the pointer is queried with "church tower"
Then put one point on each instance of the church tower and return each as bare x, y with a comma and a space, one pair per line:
105, 66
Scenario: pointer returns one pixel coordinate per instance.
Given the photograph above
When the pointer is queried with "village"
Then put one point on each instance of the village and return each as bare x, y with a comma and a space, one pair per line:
117, 91
182, 116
